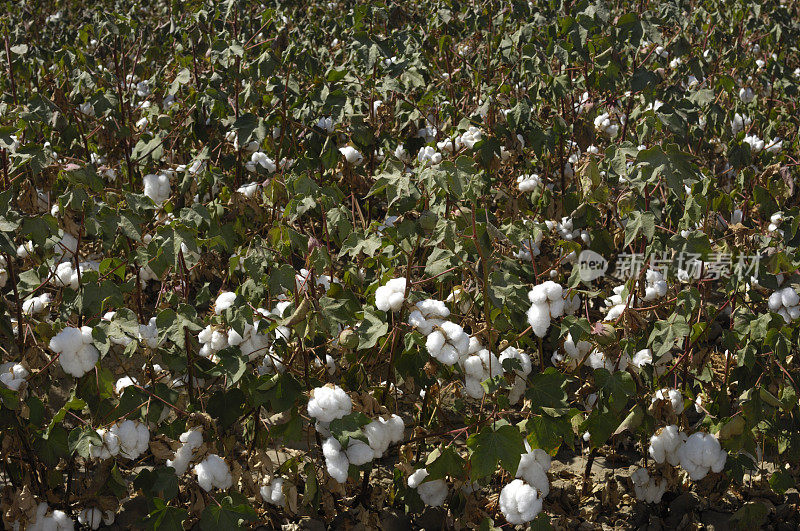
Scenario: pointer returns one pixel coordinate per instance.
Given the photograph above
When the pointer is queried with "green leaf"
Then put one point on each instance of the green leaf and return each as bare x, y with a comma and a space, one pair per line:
548, 433
229, 514
349, 427
372, 328
488, 447
165, 517
443, 462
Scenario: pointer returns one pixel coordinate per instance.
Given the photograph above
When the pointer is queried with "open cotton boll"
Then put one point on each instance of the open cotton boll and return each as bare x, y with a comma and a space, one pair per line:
533, 467
700, 453
57, 521
756, 144
91, 517
224, 301
191, 440
77, 354
575, 352
272, 492
351, 155
448, 343
249, 189
673, 396
358, 452
148, 334
786, 303
665, 445
122, 383
429, 313
13, 375
528, 183
336, 460
433, 493
478, 367
25, 250
109, 446
213, 472
328, 403
520, 384
519, 502
156, 187
271, 364
656, 286
383, 432
36, 305
133, 438
391, 295
647, 489
740, 123
429, 156
66, 247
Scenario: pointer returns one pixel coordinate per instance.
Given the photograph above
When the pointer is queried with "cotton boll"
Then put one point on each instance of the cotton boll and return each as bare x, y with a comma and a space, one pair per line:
673, 396
358, 452
77, 354
272, 492
390, 296
224, 301
351, 155
539, 319
122, 383
57, 521
642, 358
528, 183
533, 467
157, 187
36, 305
335, 459
700, 453
433, 493
519, 502
520, 384
191, 440
328, 403
109, 446
13, 375
133, 438
91, 517
448, 343
746, 94
665, 445
213, 472
647, 489
429, 156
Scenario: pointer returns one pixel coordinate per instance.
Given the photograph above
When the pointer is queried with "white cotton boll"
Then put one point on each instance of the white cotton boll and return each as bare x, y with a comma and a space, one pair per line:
746, 94
328, 403
673, 396
756, 144
272, 493
775, 145
598, 360
91, 517
57, 521
533, 467
66, 275
248, 190
133, 438
25, 250
789, 297
642, 358
401, 153
647, 489
224, 301
700, 453
528, 183
739, 123
156, 187
13, 375
448, 343
539, 319
433, 493
512, 353
335, 459
77, 355
519, 502
122, 383
664, 445
326, 124
358, 452
36, 305
390, 296
351, 155
109, 446
429, 156
191, 440
213, 472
